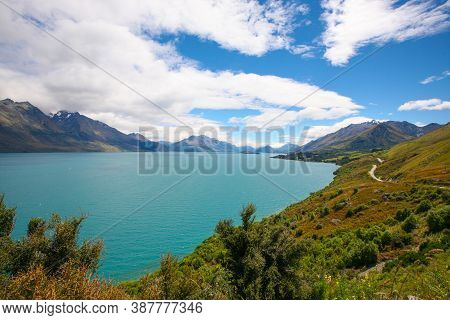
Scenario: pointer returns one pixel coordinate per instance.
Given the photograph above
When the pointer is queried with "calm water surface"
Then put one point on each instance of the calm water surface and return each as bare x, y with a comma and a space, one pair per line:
142, 216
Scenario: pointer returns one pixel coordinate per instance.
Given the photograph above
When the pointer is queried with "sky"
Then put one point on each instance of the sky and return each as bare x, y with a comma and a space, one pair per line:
262, 70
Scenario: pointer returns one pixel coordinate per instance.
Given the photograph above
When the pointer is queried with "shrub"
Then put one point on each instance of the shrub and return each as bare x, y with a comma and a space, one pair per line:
336, 193
389, 265
410, 224
260, 260
439, 219
385, 239
360, 208
410, 257
445, 197
402, 214
338, 206
7, 218
349, 213
424, 206
361, 254
401, 239
369, 233
390, 221
324, 211
430, 245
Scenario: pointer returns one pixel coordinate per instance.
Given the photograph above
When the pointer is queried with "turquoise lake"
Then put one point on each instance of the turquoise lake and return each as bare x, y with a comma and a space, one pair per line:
142, 215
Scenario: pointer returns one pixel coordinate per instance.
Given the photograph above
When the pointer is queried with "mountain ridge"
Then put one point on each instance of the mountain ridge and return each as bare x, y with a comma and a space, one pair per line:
25, 128
368, 135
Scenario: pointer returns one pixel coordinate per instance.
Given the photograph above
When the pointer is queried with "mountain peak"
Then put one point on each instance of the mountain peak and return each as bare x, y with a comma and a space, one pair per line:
6, 101
368, 136
63, 114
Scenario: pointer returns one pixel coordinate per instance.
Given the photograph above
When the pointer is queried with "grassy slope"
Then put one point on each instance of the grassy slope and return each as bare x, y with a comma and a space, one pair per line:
419, 164
424, 160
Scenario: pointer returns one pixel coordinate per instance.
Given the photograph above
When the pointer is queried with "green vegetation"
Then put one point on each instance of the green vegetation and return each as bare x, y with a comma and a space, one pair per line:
439, 219
381, 240
48, 263
335, 156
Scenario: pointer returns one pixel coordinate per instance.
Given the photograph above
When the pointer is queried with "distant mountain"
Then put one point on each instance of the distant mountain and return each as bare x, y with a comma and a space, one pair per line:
287, 148
368, 136
203, 143
25, 128
247, 149
265, 149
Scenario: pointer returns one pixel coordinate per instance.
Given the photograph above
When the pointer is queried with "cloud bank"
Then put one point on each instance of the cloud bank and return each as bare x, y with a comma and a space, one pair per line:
118, 38
353, 24
425, 105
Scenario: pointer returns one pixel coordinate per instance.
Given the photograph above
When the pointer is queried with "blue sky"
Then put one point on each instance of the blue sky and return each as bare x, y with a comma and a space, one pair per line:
233, 63
381, 83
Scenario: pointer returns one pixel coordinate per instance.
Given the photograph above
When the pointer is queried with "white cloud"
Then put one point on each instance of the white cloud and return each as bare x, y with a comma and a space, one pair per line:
245, 25
304, 50
35, 67
430, 79
352, 24
315, 132
423, 105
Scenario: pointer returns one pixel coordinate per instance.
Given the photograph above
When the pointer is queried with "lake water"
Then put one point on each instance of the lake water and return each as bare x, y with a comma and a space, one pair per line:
141, 215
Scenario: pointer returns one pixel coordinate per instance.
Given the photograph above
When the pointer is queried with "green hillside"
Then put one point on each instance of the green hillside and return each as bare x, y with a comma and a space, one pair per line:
358, 238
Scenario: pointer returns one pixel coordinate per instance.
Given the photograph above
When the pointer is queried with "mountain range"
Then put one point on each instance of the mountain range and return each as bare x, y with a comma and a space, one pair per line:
25, 128
368, 136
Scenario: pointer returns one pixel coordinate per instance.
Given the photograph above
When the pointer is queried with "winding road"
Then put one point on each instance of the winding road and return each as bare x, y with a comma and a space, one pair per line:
372, 171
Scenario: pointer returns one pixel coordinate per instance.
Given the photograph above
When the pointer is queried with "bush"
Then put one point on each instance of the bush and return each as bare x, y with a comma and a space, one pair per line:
260, 260
424, 206
324, 212
7, 218
361, 207
439, 219
401, 239
385, 239
402, 214
390, 222
411, 257
410, 224
361, 254
349, 213
336, 193
338, 206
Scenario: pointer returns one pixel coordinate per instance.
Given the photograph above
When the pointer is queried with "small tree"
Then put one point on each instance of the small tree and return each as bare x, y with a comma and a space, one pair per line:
261, 259
7, 218
51, 245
